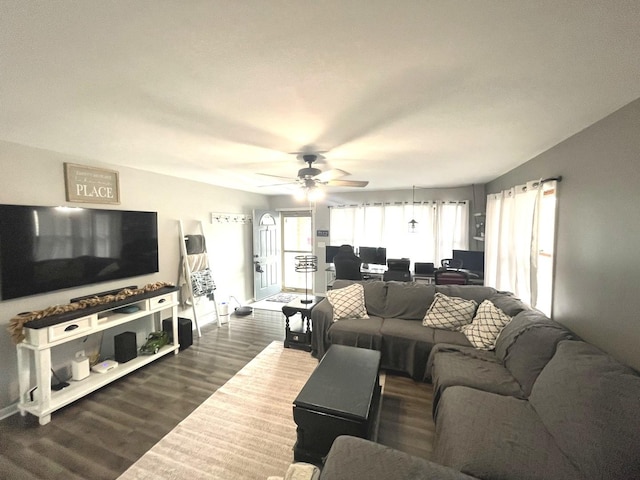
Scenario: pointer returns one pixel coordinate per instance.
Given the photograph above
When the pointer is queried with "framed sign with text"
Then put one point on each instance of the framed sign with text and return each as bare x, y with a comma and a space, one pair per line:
91, 184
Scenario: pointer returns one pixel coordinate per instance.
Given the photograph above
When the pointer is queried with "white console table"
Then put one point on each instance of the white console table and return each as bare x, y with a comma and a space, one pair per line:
43, 335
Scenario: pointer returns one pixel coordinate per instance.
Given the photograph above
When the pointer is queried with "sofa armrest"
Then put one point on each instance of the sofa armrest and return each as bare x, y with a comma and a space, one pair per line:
321, 320
355, 458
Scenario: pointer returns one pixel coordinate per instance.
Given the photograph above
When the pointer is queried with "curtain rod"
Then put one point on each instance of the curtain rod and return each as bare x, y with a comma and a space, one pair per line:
551, 179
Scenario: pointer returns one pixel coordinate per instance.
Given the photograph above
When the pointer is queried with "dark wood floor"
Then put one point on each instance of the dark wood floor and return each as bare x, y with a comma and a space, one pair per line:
101, 435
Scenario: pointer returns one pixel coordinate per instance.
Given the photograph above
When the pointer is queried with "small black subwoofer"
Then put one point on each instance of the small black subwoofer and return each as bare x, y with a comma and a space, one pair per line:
185, 331
125, 347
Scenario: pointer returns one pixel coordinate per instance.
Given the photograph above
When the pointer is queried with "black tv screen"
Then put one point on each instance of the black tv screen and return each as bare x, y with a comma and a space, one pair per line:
471, 260
373, 255
43, 249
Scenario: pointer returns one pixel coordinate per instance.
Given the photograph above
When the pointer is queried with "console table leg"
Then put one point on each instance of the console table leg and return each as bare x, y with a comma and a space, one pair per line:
287, 331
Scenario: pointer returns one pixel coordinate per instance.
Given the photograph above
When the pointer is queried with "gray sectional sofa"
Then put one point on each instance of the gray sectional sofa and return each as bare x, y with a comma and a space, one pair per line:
542, 405
579, 421
394, 326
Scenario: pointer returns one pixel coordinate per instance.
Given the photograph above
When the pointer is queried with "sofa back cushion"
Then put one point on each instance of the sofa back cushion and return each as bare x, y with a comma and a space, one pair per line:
375, 294
408, 300
468, 292
508, 303
589, 403
527, 344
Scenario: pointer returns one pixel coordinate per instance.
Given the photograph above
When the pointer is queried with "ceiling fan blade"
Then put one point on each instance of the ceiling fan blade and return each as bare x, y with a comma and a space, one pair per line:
332, 174
277, 176
199, 120
277, 184
347, 183
395, 98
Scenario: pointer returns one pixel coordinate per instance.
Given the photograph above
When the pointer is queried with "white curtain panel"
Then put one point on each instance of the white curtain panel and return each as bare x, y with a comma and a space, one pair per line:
452, 229
512, 231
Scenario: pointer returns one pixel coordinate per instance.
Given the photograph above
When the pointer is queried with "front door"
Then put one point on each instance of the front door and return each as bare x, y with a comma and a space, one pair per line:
266, 254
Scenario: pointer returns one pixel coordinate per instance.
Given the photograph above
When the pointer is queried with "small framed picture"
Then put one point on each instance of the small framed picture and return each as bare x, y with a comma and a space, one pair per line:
91, 185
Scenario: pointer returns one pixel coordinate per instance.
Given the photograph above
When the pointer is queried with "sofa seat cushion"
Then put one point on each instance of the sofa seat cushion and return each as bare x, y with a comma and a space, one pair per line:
352, 458
499, 437
405, 346
448, 336
467, 367
357, 332
589, 402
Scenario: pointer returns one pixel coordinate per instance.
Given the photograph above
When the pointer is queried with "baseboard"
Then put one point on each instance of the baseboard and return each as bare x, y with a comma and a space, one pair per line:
8, 411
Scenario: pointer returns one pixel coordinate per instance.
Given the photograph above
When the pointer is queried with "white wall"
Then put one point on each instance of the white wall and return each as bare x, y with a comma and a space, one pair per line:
32, 176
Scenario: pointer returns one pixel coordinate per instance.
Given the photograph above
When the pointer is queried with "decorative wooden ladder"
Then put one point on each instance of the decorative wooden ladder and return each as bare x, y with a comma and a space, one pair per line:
197, 272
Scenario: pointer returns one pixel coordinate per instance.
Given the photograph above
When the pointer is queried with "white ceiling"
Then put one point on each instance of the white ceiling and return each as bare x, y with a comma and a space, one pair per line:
404, 92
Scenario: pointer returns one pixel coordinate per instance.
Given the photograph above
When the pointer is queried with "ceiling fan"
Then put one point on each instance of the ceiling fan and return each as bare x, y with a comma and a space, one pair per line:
311, 177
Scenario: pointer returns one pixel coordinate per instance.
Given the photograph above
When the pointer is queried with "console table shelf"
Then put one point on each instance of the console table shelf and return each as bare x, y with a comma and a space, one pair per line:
34, 353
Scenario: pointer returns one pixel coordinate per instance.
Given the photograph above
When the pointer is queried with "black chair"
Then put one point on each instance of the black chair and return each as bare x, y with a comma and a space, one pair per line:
397, 269
448, 263
451, 277
423, 268
347, 264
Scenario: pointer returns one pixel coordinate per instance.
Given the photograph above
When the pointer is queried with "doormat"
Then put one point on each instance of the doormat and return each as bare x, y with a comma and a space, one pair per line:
282, 298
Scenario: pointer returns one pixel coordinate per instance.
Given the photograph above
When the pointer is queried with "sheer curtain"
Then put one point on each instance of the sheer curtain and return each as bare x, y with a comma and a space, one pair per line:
442, 227
516, 221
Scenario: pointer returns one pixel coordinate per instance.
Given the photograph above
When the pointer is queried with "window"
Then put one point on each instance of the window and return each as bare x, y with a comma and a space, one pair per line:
442, 228
545, 249
296, 240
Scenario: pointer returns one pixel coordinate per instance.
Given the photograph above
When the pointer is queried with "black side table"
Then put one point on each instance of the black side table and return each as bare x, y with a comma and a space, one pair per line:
299, 339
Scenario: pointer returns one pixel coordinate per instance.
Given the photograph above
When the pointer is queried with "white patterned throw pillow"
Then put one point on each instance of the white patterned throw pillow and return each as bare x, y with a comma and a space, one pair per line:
348, 302
449, 313
486, 326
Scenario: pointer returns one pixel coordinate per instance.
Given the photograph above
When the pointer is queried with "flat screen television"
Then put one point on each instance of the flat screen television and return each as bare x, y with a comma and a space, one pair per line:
331, 251
373, 255
471, 260
43, 249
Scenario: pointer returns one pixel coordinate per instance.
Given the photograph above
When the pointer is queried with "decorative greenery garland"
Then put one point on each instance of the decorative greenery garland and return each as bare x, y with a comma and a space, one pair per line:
16, 323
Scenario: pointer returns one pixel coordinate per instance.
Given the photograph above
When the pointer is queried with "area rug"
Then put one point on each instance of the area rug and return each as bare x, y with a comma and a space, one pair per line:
275, 302
282, 298
245, 430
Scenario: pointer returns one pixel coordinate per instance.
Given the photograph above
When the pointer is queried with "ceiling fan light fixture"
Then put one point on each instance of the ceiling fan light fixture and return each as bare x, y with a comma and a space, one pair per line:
314, 194
310, 193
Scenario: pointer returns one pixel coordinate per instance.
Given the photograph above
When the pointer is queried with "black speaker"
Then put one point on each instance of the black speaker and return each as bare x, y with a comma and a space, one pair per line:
185, 331
125, 347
